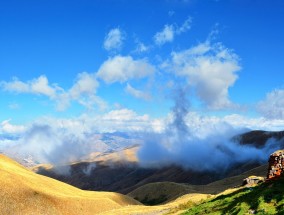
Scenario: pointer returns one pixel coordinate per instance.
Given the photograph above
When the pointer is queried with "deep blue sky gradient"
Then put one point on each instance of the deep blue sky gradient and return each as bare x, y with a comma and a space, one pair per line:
60, 39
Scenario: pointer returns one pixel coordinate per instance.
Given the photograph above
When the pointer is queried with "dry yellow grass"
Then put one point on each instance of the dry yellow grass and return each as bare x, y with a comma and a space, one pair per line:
24, 192
173, 207
126, 155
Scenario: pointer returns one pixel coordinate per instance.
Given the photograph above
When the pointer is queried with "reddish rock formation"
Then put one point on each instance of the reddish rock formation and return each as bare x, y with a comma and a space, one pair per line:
276, 165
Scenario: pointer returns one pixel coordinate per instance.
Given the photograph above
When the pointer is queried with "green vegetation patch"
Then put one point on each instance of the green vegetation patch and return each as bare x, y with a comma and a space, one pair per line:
266, 198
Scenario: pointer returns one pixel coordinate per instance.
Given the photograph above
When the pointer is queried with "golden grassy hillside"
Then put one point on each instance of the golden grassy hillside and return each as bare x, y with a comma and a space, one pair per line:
125, 155
24, 192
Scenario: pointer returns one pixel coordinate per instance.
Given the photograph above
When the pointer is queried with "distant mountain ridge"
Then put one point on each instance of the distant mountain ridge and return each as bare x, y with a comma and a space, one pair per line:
258, 138
125, 176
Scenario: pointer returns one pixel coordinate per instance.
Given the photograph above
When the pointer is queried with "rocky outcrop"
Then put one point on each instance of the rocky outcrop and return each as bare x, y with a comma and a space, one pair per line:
252, 181
276, 165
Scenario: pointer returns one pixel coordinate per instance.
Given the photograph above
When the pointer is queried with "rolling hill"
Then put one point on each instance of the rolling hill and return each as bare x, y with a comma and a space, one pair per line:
163, 192
24, 192
108, 173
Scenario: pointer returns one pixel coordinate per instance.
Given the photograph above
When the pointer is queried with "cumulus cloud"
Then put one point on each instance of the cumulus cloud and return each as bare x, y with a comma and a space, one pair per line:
124, 68
41, 86
211, 69
137, 93
272, 106
170, 31
38, 85
114, 39
85, 84
83, 91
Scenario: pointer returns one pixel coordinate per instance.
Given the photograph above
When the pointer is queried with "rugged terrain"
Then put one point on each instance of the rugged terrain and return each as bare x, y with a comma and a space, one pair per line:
24, 192
119, 171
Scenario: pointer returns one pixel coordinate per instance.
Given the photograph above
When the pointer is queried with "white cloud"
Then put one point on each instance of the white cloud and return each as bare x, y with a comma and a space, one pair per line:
83, 91
114, 39
137, 93
38, 85
121, 69
119, 120
272, 106
47, 138
124, 120
166, 35
7, 128
202, 126
210, 70
188, 134
41, 86
85, 84
124, 115
15, 86
170, 31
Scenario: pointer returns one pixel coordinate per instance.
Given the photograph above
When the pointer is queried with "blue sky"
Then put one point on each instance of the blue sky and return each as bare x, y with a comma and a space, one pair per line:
124, 58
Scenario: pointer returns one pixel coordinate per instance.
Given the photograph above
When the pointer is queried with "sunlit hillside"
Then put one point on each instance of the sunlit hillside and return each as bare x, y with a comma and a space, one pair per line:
24, 192
266, 198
